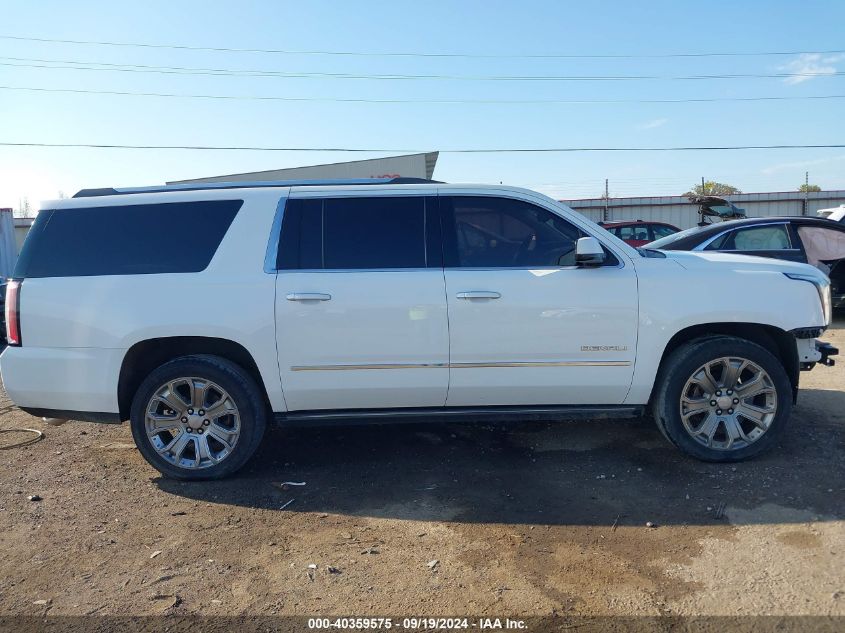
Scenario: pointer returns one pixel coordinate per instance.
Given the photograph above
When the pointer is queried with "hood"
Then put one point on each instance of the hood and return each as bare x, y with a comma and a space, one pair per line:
717, 206
696, 260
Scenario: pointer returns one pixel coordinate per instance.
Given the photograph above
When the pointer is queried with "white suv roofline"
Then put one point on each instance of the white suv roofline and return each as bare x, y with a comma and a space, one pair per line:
246, 184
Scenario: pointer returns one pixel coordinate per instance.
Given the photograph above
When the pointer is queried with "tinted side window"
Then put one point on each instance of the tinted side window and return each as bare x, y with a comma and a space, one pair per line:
639, 232
660, 231
355, 233
489, 232
716, 244
758, 238
383, 232
177, 237
301, 241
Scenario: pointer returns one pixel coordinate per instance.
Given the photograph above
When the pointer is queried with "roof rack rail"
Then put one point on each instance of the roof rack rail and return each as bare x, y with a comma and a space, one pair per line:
204, 186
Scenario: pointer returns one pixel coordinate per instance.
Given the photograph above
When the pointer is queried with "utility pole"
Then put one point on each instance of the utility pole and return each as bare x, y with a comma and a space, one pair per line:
806, 192
703, 192
606, 199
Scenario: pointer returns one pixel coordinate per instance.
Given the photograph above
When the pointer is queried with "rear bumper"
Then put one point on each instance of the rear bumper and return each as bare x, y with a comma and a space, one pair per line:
70, 380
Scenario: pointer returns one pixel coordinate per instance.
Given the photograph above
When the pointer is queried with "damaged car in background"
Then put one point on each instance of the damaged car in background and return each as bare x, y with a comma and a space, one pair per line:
808, 240
713, 209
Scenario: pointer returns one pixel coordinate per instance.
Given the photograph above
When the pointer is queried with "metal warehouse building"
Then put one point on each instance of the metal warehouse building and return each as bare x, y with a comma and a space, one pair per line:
679, 211
675, 210
12, 234
407, 166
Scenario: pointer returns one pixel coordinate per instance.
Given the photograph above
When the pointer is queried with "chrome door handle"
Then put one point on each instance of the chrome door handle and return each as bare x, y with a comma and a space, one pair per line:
479, 294
308, 296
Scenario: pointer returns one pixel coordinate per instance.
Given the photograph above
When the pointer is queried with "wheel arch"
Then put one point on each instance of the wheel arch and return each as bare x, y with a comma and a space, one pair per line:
144, 356
777, 341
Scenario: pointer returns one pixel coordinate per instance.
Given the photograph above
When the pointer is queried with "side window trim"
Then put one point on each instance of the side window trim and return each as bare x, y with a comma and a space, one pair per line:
322, 235
796, 242
450, 232
433, 232
271, 257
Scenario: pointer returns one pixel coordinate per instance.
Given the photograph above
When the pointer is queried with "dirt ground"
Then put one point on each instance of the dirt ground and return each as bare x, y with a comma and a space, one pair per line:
522, 519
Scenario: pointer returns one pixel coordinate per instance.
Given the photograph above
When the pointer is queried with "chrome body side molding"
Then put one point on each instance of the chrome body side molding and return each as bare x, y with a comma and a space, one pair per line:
566, 363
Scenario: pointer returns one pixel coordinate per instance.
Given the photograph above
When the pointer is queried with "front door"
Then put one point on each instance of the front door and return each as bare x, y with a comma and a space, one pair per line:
526, 325
360, 303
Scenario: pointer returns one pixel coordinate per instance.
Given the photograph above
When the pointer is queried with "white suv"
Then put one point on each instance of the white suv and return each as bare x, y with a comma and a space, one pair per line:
200, 313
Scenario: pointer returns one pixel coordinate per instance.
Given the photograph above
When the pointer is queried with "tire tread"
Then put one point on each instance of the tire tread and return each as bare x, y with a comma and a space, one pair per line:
668, 420
256, 418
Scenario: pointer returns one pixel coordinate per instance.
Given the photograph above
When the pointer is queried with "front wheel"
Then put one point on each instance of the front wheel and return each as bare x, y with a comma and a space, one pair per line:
722, 399
198, 417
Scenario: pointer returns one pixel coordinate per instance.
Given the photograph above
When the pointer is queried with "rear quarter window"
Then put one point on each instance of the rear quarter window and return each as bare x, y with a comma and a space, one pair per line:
143, 239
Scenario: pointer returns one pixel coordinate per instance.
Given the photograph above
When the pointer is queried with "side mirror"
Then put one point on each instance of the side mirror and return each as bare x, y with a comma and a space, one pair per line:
588, 252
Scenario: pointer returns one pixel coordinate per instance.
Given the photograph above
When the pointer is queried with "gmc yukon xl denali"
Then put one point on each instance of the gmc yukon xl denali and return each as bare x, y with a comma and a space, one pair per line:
201, 313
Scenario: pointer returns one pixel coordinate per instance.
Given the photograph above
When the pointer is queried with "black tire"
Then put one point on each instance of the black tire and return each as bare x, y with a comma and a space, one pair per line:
679, 367
241, 388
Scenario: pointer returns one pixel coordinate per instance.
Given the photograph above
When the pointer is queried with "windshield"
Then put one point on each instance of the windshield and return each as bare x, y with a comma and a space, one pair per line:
663, 242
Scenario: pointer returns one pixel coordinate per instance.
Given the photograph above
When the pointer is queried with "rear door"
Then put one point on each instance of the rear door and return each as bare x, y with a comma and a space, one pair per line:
360, 302
526, 325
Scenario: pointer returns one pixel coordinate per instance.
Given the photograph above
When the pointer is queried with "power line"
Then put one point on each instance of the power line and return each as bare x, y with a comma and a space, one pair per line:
233, 72
416, 151
415, 54
420, 101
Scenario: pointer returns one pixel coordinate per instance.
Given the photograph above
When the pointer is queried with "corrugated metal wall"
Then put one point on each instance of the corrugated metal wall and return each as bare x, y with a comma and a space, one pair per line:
22, 226
677, 210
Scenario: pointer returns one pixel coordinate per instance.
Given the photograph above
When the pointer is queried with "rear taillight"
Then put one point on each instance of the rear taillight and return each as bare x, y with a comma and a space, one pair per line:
13, 313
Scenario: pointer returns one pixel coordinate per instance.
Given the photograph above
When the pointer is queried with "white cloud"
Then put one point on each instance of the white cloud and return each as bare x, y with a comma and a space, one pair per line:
809, 66
654, 123
801, 165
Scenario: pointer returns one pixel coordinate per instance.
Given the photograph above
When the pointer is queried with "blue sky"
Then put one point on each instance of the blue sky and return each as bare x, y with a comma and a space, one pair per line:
505, 29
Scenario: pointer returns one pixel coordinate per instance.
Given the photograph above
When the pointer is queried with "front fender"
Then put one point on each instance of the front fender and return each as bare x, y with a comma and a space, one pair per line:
674, 300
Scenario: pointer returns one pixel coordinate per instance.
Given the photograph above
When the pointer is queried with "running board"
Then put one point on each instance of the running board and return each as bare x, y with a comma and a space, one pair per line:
497, 413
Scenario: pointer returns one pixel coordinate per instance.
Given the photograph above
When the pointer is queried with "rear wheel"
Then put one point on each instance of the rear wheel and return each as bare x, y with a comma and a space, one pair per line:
722, 399
198, 417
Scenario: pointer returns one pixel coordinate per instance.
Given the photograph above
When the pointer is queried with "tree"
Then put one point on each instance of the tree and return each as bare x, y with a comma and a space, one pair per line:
808, 188
712, 188
24, 208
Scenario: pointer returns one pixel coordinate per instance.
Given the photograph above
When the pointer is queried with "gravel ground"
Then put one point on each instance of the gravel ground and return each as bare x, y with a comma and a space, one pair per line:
523, 519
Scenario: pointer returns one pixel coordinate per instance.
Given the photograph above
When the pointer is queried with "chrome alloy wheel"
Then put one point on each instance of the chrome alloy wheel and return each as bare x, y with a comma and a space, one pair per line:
192, 423
728, 403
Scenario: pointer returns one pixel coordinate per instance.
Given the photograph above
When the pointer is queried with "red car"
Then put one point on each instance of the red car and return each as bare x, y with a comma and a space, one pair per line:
639, 233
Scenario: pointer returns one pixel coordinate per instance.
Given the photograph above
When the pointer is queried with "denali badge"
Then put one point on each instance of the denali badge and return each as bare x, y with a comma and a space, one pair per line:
604, 348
